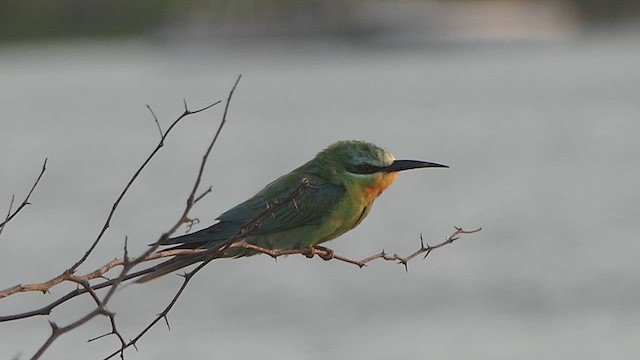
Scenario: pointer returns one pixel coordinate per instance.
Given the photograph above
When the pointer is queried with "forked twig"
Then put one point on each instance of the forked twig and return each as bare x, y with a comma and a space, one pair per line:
162, 315
25, 202
191, 200
127, 263
114, 207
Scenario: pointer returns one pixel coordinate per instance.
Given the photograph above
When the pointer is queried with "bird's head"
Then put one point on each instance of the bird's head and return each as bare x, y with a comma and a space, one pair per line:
366, 165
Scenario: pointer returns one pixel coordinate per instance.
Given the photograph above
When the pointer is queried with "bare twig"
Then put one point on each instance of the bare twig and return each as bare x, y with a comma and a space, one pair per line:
114, 207
162, 315
129, 264
191, 200
157, 122
205, 255
235, 242
320, 251
46, 310
328, 254
25, 202
6, 219
68, 275
324, 253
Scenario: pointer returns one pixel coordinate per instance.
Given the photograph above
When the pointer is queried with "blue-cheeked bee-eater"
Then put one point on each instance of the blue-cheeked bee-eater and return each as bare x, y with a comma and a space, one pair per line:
339, 187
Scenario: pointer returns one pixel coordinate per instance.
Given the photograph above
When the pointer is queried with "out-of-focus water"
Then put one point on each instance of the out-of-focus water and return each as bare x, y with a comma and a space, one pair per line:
542, 140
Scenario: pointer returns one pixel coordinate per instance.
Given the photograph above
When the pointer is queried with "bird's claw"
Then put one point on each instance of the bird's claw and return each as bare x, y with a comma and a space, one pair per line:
323, 252
308, 253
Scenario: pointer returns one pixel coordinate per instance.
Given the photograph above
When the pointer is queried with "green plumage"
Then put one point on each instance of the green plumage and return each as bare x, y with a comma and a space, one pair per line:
317, 202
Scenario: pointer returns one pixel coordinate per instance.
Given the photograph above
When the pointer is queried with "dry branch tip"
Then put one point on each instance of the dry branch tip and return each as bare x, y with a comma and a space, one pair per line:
157, 124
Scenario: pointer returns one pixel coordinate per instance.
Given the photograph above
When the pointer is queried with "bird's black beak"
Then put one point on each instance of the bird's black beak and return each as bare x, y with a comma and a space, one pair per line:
397, 165
401, 165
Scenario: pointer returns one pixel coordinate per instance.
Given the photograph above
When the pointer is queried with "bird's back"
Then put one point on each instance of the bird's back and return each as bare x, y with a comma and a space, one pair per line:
289, 213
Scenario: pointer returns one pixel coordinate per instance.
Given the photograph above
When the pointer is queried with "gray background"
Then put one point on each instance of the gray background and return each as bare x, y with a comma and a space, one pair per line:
542, 142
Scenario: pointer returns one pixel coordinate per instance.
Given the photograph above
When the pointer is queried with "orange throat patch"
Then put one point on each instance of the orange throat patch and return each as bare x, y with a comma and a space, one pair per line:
381, 185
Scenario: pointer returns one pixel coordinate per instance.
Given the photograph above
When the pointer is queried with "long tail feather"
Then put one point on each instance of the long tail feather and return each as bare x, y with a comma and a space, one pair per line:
171, 265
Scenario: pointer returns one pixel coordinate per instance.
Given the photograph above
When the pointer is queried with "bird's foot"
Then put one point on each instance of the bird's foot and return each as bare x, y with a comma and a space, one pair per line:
308, 253
323, 252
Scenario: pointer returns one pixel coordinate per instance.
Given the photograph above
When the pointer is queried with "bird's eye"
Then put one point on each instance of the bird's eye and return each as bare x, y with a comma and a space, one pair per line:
363, 169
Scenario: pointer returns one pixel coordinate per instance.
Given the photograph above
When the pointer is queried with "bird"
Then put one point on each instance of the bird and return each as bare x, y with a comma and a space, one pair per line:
317, 202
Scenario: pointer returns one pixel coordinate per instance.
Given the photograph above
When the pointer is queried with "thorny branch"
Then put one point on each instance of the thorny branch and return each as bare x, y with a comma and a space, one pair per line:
324, 253
114, 207
238, 242
162, 315
250, 226
328, 254
127, 264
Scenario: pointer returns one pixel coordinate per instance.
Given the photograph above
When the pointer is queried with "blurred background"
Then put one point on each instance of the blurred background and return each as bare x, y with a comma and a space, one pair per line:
535, 105
209, 20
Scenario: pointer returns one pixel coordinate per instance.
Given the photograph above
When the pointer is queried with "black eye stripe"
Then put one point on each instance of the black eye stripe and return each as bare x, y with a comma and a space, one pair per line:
364, 169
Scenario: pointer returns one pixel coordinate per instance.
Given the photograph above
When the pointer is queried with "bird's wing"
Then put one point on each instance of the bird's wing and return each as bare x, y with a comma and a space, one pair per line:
291, 201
